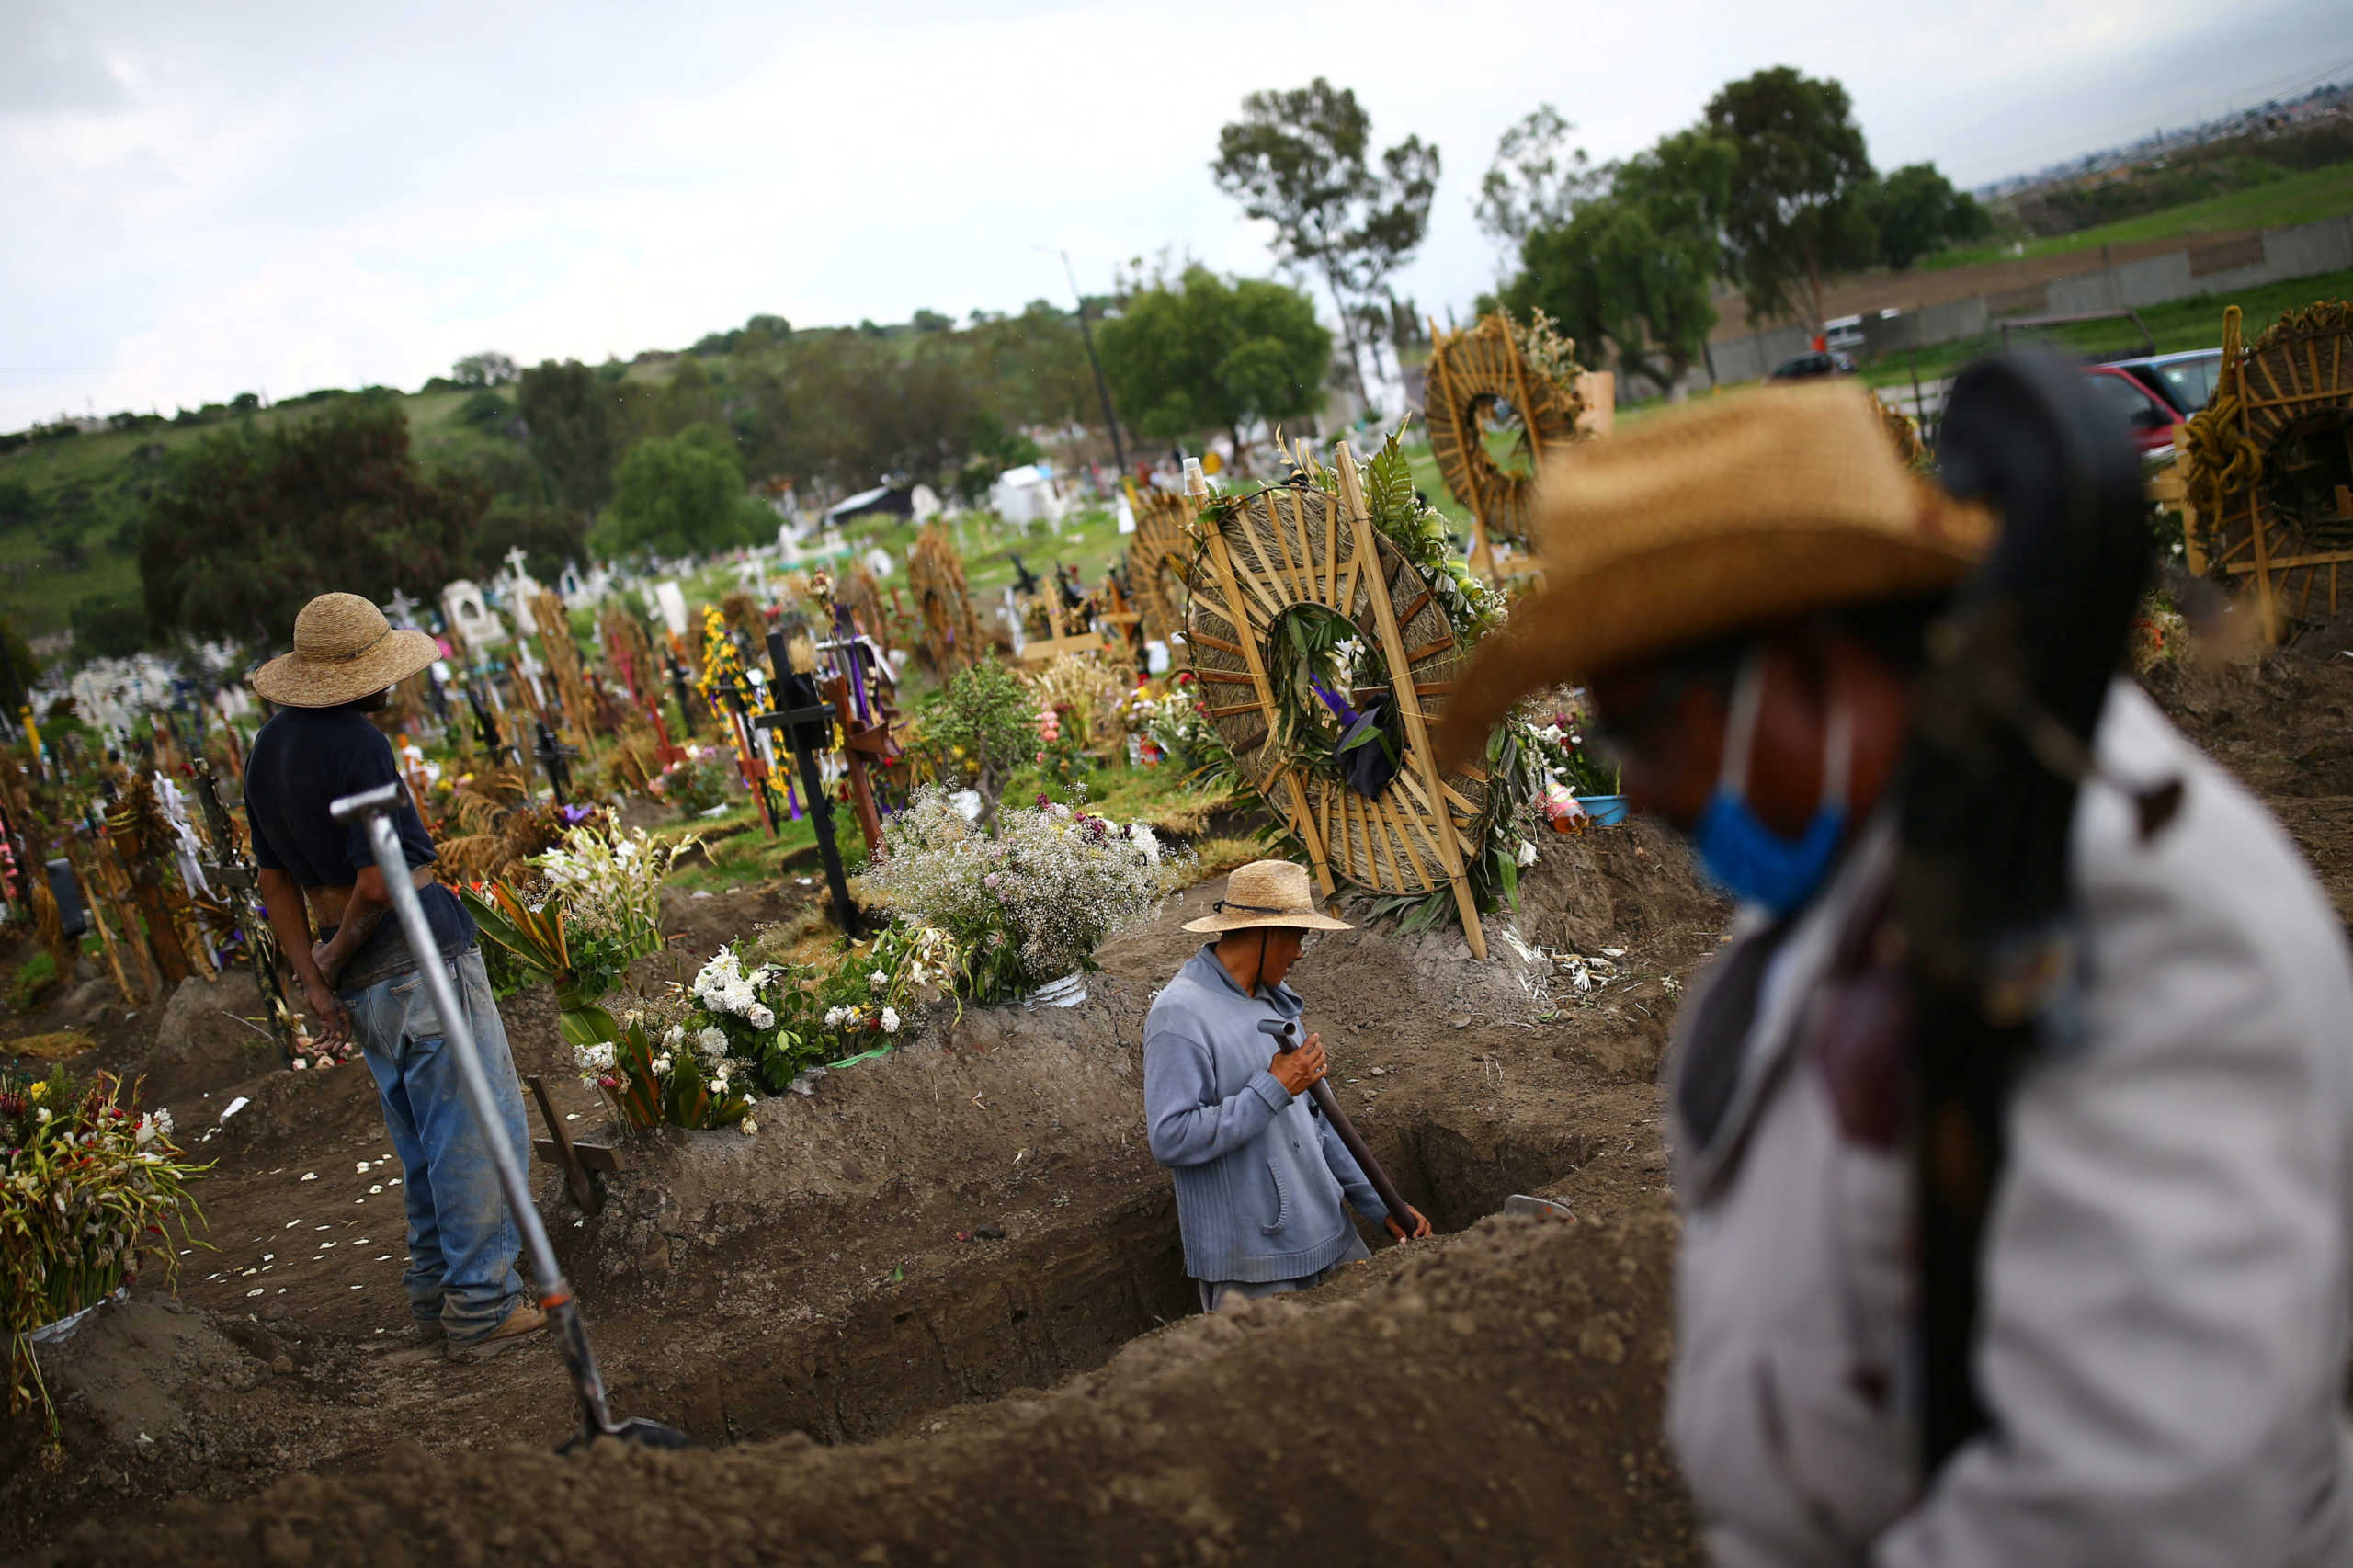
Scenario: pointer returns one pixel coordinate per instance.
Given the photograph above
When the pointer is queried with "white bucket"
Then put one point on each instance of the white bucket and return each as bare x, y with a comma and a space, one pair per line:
1068, 991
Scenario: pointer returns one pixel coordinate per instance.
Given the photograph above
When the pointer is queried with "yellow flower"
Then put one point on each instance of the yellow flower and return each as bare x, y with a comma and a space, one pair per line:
36, 1091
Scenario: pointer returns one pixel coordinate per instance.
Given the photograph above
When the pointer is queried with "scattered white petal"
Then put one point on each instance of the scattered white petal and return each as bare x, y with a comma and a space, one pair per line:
257, 1291
310, 1176
378, 1187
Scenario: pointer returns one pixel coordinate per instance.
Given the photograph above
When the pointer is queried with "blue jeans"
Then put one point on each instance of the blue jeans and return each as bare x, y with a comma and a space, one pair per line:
461, 1239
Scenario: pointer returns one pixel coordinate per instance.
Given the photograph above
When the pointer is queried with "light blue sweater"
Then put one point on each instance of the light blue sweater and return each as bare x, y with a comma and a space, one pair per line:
1259, 1179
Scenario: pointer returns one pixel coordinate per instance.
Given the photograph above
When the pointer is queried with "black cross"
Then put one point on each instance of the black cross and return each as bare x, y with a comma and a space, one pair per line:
229, 868
556, 758
678, 684
805, 721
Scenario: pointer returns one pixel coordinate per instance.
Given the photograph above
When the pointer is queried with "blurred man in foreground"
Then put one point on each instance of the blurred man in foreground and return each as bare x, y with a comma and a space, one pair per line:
2162, 1315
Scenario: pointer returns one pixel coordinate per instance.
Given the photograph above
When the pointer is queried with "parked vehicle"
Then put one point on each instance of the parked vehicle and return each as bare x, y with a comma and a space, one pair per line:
2151, 419
2185, 380
1809, 367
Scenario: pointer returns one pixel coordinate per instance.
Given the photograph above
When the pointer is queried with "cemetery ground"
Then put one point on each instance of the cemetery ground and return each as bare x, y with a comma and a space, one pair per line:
913, 1251
934, 1311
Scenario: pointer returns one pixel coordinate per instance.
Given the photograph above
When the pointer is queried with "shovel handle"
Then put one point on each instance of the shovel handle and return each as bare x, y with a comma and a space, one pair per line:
1287, 1037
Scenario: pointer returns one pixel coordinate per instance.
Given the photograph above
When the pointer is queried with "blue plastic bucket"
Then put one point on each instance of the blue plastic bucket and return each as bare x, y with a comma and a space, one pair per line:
1604, 810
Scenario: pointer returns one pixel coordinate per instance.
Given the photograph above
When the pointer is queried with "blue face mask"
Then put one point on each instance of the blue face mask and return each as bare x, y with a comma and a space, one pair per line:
1743, 856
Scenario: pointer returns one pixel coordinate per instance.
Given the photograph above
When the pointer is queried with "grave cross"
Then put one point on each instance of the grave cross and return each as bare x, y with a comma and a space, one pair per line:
401, 609
678, 686
486, 726
804, 720
228, 869
556, 758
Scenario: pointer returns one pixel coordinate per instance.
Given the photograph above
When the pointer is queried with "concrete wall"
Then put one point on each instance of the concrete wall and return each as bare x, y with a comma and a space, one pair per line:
2279, 255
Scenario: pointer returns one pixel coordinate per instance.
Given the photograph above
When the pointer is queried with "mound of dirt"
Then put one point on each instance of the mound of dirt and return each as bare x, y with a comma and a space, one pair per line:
1494, 1398
212, 1035
2280, 724
967, 1219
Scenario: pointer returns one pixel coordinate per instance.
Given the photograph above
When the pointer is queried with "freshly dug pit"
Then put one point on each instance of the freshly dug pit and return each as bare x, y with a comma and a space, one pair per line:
1493, 1398
972, 1217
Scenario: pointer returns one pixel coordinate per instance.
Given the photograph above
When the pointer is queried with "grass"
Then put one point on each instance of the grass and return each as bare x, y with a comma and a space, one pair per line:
2175, 326
737, 853
2277, 204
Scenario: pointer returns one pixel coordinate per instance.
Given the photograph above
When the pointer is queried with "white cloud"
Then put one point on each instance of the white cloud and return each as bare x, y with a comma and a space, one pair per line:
208, 199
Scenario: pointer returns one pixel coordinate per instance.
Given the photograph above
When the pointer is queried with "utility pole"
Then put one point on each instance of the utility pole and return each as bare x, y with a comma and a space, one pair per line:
1102, 390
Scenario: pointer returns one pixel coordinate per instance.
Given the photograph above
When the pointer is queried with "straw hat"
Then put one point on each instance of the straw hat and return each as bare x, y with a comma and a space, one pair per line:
1700, 523
344, 650
1266, 893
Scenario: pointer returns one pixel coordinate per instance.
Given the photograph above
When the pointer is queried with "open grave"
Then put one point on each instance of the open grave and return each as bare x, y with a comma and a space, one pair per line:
924, 1241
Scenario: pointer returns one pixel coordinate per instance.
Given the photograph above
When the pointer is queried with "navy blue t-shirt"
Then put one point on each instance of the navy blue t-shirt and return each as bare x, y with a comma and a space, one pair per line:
303, 761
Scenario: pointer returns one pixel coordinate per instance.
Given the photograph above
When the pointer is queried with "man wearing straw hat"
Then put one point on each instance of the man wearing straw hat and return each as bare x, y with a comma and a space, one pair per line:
1260, 1180
2161, 1327
359, 977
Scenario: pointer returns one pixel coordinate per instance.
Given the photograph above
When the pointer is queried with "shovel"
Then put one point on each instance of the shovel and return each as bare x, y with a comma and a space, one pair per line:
375, 808
1286, 1035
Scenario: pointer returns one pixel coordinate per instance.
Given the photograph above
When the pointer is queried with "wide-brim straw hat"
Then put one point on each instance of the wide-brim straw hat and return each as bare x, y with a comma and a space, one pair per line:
344, 650
1701, 523
1266, 893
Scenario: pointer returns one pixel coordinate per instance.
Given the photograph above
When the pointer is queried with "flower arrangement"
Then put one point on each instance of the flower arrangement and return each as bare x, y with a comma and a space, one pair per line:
758, 1017
687, 1080
704, 779
601, 909
1081, 698
1514, 767
979, 728
85, 1181
1559, 744
1028, 906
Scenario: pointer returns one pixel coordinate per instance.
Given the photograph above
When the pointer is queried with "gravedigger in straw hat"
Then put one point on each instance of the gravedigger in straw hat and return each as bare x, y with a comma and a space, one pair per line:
1261, 1183
2013, 1129
359, 977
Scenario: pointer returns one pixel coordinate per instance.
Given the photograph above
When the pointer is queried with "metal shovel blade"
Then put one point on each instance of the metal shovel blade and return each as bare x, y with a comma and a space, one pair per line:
641, 1430
1537, 1207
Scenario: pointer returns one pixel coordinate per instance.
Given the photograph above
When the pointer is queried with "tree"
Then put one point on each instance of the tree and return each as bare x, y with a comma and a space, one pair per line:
679, 494
1031, 369
1211, 355
18, 668
566, 409
485, 411
19, 504
549, 537
109, 626
1917, 212
1301, 160
931, 320
1796, 212
248, 527
1636, 266
487, 370
1537, 179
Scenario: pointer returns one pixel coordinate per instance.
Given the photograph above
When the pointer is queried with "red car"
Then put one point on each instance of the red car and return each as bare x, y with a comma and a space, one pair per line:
2153, 420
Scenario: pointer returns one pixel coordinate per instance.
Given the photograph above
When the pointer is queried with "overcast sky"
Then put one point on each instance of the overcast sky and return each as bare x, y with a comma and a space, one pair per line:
207, 198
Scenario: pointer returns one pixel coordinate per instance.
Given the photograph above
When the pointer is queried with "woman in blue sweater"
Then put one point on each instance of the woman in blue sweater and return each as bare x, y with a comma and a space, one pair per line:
1260, 1179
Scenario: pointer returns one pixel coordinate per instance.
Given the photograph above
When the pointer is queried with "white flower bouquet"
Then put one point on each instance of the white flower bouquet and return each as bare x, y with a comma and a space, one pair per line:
1030, 905
685, 1079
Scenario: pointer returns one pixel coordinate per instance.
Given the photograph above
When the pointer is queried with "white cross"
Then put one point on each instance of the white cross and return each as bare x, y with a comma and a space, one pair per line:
515, 564
404, 609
